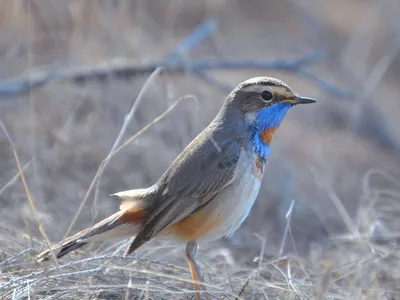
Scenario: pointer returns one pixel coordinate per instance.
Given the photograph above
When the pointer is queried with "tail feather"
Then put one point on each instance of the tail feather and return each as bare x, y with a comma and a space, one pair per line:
124, 223
135, 198
65, 249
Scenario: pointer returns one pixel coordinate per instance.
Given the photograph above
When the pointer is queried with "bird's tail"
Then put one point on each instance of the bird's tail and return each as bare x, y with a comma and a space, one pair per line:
125, 223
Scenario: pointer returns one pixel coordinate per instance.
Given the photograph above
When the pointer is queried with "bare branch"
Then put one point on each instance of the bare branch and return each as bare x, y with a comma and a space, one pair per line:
124, 68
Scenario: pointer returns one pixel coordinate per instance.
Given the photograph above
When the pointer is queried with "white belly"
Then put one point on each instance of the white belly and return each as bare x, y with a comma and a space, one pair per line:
232, 206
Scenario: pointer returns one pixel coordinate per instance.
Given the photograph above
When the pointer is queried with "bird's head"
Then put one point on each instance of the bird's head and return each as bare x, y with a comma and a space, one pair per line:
265, 102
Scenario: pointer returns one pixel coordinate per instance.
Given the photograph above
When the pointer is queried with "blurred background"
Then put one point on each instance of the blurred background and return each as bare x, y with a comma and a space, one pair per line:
334, 166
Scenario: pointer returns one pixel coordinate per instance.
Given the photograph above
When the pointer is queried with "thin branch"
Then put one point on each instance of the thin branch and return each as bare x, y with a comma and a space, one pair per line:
27, 191
210, 80
15, 177
242, 290
200, 33
288, 218
156, 120
121, 134
14, 258
117, 142
123, 68
117, 149
326, 86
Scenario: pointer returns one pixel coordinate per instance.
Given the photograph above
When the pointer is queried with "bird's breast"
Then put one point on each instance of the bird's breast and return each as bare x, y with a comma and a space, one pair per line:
224, 214
228, 210
261, 140
267, 134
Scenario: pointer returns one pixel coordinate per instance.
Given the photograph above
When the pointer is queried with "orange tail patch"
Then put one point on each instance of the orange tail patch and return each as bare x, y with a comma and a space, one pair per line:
132, 216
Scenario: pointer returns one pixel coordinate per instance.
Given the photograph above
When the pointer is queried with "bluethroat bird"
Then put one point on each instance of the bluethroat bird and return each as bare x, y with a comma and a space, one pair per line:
208, 190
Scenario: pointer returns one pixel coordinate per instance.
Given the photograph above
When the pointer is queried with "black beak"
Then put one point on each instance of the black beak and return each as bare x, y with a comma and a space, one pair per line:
304, 100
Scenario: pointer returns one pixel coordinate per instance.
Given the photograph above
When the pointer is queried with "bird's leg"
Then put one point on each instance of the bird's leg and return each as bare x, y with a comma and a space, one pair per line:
191, 251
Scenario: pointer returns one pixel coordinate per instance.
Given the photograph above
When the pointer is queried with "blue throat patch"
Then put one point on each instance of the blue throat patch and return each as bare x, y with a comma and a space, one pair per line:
267, 118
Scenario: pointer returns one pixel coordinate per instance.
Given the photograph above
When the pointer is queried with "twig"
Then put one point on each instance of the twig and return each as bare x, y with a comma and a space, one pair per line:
243, 288
173, 277
326, 86
114, 147
123, 258
343, 212
208, 79
156, 120
128, 287
58, 276
27, 192
132, 138
15, 177
262, 252
200, 33
80, 287
288, 218
121, 134
13, 283
124, 68
16, 257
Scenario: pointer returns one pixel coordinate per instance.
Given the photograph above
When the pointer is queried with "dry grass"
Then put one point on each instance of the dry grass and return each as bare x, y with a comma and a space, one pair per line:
348, 270
326, 224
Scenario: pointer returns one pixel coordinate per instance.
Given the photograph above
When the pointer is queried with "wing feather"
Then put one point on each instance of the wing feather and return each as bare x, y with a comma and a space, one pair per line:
196, 176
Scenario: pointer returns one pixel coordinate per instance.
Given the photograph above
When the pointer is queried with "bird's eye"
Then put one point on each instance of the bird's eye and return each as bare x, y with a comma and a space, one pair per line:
266, 95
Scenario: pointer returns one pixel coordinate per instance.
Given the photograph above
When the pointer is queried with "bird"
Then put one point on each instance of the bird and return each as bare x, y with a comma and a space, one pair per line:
209, 189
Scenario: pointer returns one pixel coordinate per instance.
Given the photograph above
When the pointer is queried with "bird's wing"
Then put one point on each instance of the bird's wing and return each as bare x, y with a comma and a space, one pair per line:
197, 175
